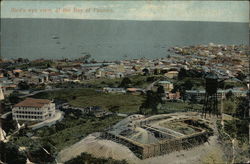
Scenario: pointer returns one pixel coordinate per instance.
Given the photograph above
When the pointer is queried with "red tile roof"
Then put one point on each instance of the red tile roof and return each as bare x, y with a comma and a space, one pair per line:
30, 102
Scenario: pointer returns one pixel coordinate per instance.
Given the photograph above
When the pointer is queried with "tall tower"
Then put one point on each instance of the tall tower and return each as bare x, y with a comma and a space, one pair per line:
211, 101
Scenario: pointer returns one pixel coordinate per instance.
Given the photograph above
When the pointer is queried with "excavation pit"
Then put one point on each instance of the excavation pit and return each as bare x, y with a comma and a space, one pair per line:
160, 134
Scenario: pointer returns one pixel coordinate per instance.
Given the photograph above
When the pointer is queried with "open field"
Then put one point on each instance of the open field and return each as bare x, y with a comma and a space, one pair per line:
85, 97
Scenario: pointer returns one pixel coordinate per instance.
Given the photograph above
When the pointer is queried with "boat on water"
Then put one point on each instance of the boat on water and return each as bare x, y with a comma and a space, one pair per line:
55, 37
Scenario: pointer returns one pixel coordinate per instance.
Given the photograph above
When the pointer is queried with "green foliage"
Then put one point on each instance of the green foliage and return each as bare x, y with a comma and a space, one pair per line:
13, 98
126, 82
231, 84
87, 158
171, 107
86, 97
243, 107
23, 85
229, 95
160, 90
193, 99
8, 124
72, 129
193, 73
188, 84
152, 100
182, 74
145, 71
114, 109
241, 76
236, 129
39, 155
10, 154
229, 107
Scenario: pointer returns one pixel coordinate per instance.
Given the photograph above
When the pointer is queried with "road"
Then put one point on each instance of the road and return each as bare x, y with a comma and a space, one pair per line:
150, 86
36, 92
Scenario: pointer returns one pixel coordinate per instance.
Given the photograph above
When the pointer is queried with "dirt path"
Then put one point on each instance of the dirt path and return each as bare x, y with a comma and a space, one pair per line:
97, 147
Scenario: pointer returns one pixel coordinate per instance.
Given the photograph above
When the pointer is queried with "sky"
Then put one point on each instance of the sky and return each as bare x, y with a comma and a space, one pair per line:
216, 11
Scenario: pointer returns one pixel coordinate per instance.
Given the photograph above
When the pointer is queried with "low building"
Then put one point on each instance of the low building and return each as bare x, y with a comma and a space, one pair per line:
135, 91
167, 85
171, 74
221, 94
114, 90
173, 96
33, 110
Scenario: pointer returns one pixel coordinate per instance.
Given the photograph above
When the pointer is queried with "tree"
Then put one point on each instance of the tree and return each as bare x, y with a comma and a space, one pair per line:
156, 71
10, 154
87, 158
13, 98
229, 107
17, 74
73, 97
151, 79
193, 99
152, 100
243, 107
160, 90
23, 85
182, 74
86, 58
114, 109
39, 155
145, 71
188, 84
48, 65
125, 82
229, 95
241, 76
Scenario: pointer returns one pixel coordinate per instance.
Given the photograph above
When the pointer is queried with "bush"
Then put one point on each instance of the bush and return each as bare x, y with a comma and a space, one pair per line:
87, 158
9, 154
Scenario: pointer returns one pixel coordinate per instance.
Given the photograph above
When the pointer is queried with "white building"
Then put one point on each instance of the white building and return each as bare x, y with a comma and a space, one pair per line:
167, 85
33, 110
221, 94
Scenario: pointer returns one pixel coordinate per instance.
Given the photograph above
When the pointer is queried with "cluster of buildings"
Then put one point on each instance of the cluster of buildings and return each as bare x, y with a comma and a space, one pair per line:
76, 71
226, 61
167, 87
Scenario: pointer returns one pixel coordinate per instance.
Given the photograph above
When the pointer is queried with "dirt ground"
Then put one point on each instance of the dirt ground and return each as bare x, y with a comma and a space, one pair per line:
209, 152
98, 148
205, 153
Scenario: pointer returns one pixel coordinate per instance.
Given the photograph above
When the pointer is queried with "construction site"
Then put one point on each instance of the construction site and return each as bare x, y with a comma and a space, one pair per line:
159, 134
